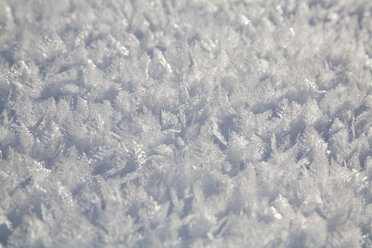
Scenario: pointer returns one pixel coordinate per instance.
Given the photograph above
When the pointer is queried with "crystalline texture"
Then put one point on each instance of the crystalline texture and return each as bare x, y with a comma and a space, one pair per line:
185, 123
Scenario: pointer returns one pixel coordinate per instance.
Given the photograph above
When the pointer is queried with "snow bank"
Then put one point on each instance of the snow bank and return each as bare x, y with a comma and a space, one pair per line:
185, 123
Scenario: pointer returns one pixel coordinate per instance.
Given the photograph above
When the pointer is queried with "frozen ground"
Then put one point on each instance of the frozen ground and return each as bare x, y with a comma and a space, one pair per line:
185, 123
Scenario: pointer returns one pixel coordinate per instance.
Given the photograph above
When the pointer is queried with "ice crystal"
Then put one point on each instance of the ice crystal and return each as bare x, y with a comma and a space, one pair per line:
185, 123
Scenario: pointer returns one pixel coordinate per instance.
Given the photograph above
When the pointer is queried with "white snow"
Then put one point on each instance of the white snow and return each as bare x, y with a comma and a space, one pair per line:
190, 123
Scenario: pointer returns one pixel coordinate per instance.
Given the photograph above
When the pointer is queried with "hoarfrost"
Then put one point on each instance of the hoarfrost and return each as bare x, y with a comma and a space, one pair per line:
185, 123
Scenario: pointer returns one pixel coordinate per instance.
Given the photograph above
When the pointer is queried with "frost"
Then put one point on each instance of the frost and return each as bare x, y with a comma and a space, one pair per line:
185, 123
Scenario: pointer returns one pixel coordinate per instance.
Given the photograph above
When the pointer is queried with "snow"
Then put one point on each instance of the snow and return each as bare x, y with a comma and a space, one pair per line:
186, 123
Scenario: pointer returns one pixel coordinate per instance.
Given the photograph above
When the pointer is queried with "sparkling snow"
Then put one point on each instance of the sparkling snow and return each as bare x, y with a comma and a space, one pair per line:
190, 123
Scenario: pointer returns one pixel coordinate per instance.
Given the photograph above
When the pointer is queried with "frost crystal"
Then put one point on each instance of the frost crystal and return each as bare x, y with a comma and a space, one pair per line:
185, 123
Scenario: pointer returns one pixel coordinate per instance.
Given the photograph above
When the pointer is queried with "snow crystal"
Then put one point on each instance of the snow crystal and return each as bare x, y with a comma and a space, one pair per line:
185, 123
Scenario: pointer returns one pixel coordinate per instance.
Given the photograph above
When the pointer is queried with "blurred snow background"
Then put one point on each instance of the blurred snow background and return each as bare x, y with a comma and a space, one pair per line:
185, 123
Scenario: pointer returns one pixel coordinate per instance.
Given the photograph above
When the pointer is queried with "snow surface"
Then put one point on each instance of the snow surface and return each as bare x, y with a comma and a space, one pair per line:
191, 123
